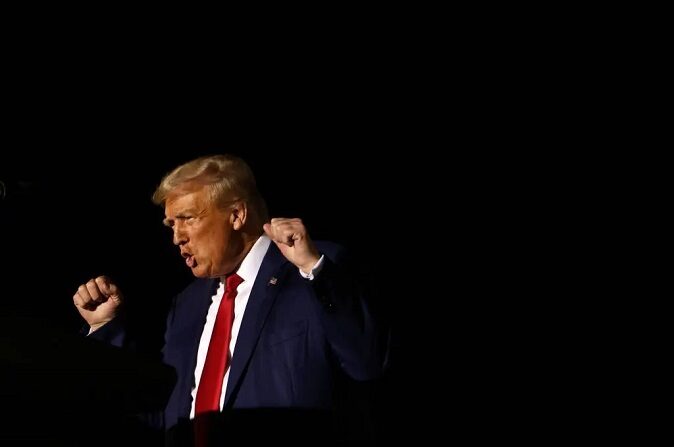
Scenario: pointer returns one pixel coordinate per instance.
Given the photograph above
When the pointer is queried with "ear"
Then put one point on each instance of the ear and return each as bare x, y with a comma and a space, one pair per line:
238, 215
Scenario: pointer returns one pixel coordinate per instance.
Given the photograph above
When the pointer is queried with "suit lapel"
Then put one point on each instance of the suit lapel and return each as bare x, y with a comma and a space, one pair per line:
267, 285
198, 307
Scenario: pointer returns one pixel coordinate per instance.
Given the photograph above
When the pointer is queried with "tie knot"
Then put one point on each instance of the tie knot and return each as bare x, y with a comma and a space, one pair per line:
231, 283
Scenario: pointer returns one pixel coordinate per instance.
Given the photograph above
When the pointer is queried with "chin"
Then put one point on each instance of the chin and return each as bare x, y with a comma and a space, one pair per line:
199, 273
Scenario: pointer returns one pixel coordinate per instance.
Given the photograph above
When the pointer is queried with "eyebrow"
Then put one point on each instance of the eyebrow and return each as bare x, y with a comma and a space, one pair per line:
168, 220
180, 215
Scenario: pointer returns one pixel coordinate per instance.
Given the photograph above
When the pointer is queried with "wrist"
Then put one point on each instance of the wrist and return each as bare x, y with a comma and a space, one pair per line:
308, 266
95, 326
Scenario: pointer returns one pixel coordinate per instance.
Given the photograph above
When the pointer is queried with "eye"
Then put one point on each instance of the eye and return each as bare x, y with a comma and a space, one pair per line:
187, 219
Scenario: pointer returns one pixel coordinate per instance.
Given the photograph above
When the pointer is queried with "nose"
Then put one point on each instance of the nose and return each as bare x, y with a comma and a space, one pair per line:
179, 235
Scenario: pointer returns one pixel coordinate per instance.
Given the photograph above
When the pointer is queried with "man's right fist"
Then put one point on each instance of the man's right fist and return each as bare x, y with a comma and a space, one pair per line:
98, 301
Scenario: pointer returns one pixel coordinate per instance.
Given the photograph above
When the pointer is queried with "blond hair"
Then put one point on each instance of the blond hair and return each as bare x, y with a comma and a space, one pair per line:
227, 177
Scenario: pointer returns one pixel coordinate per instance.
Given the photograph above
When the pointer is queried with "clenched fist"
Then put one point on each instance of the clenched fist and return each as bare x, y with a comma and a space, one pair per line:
98, 301
291, 237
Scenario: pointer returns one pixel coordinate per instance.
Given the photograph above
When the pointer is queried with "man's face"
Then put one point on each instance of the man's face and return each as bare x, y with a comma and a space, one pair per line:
202, 232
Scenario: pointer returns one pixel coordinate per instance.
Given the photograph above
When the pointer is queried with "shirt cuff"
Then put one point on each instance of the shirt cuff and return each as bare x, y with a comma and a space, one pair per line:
315, 270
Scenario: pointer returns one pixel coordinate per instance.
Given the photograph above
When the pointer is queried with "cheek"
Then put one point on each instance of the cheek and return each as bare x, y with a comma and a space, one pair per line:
210, 247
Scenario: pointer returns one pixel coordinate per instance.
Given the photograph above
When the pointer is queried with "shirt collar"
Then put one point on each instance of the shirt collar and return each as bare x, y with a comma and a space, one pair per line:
251, 263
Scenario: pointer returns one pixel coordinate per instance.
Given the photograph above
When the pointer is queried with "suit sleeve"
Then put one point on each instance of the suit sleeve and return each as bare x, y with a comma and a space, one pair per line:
154, 382
356, 329
113, 333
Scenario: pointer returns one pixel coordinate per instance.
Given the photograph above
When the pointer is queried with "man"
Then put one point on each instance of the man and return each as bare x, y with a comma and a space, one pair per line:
272, 321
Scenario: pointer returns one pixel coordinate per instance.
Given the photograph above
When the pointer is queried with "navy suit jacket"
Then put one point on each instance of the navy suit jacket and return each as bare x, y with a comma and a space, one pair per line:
295, 337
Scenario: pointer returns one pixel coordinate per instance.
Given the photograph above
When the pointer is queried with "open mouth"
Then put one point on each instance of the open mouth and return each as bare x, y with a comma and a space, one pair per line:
189, 259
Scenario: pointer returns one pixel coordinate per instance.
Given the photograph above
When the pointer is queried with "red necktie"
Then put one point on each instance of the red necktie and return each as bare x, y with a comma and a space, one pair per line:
217, 359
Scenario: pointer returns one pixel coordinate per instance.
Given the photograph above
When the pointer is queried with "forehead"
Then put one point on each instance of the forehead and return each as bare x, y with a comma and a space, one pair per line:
186, 201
